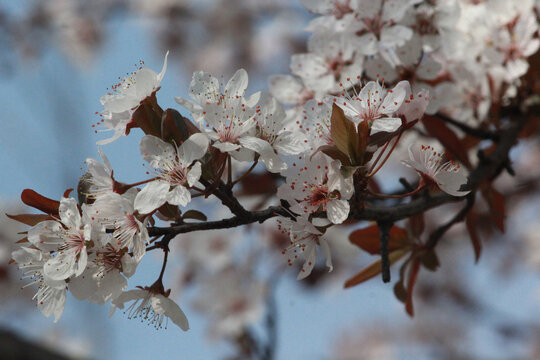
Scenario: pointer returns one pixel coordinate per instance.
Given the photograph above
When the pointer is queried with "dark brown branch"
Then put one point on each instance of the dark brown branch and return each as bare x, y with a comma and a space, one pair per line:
384, 229
248, 218
459, 217
475, 132
486, 170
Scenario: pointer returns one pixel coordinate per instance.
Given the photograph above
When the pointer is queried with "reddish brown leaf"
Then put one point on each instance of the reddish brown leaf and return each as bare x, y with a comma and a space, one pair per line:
343, 132
67, 192
472, 226
368, 239
23, 240
30, 219
416, 225
496, 205
334, 153
37, 201
373, 269
362, 140
413, 274
438, 129
11, 262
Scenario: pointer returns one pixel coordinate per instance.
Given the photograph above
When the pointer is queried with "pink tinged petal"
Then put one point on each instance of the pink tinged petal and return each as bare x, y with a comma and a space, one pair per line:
337, 210
193, 148
269, 158
226, 146
237, 85
69, 213
450, 182
62, 266
152, 196
194, 174
327, 254
167, 307
156, 151
179, 196
385, 124
393, 99
310, 255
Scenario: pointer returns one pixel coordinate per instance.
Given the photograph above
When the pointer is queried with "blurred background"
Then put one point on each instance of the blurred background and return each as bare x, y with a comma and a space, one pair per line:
58, 57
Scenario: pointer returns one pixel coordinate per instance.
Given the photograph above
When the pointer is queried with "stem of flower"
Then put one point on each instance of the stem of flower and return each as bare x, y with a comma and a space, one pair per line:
387, 156
246, 173
400, 196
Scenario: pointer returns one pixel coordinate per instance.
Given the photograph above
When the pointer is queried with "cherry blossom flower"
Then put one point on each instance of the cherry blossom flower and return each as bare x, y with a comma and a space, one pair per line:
100, 179
116, 212
304, 240
205, 90
447, 176
120, 104
69, 238
51, 294
105, 277
315, 185
271, 137
174, 169
151, 306
374, 104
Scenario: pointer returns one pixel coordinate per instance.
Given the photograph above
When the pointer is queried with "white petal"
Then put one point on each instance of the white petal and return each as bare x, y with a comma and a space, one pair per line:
311, 257
69, 213
194, 174
393, 99
327, 254
179, 196
156, 151
152, 196
237, 85
61, 266
226, 146
193, 148
267, 155
396, 35
450, 182
164, 305
385, 124
337, 211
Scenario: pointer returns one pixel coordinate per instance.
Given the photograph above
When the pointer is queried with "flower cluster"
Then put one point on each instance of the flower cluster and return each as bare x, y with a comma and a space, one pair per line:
373, 69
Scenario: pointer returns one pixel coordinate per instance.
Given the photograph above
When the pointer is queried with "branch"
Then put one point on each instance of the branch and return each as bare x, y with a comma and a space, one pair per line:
248, 218
487, 169
475, 132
